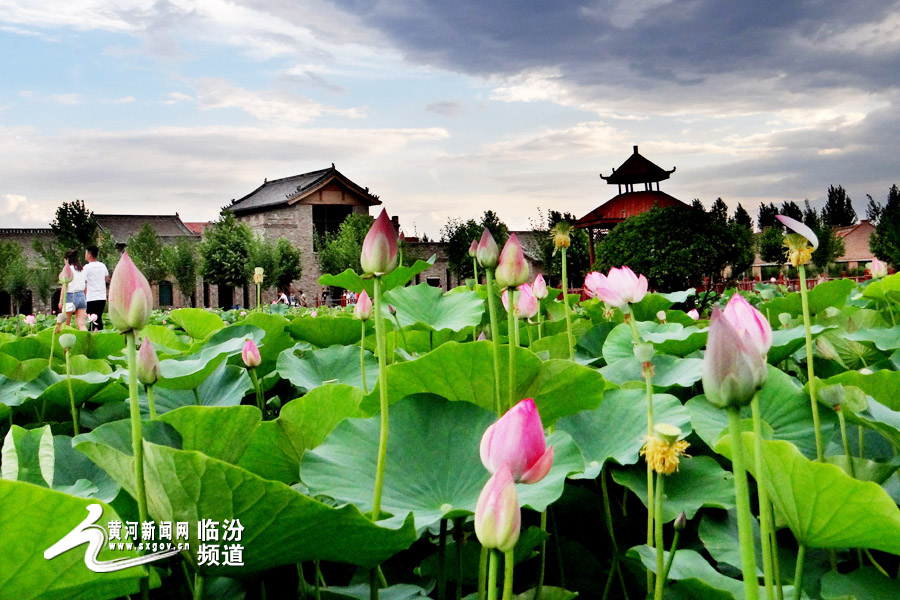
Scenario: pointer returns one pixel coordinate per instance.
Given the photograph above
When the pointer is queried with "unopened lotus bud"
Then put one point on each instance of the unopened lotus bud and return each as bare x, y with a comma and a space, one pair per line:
866, 371
733, 367
379, 250
130, 298
66, 275
498, 517
488, 253
517, 441
877, 268
363, 308
694, 314
482, 337
644, 352
473, 248
147, 363
392, 310
67, 340
250, 354
680, 522
539, 287
512, 268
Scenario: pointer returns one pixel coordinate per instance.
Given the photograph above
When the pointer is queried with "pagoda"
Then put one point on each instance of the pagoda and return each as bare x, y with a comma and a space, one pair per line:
635, 179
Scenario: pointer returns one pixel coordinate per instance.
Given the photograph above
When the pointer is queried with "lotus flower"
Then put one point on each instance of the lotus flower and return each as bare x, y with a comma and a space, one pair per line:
147, 363
877, 268
539, 287
92, 317
617, 289
379, 250
488, 253
473, 248
750, 324
527, 304
250, 354
363, 308
66, 275
733, 368
694, 314
29, 320
798, 227
512, 269
498, 517
517, 440
130, 298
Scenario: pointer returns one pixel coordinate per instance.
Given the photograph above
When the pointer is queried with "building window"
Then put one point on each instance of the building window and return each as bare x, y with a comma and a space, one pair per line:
433, 281
165, 293
327, 218
205, 295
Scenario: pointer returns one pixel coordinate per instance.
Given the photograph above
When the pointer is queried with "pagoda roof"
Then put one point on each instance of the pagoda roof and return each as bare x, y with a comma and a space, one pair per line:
637, 169
614, 211
290, 190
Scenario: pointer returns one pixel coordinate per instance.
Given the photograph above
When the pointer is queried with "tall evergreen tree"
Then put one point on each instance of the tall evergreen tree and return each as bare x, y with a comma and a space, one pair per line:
791, 209
719, 212
742, 217
225, 252
74, 226
838, 210
873, 210
147, 251
766, 216
885, 240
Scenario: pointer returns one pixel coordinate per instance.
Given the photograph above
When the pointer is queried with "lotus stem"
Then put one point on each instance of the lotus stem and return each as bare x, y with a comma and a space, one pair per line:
402, 334
762, 489
137, 445
798, 573
442, 561
71, 394
862, 442
513, 342
543, 568
846, 442
198, 586
492, 576
150, 403
810, 375
672, 550
482, 573
776, 563
660, 545
383, 394
362, 357
509, 565
475, 269
258, 294
612, 535
495, 337
742, 502
260, 400
565, 285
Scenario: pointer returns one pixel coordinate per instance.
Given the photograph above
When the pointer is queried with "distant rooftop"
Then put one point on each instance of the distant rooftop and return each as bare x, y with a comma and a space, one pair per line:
281, 192
122, 227
637, 169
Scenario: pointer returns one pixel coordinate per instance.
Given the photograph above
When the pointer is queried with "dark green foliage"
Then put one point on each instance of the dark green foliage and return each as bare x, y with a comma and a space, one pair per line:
74, 226
873, 210
147, 251
830, 246
838, 211
578, 256
885, 241
719, 212
766, 216
109, 254
45, 270
791, 209
182, 258
14, 276
338, 252
675, 248
742, 217
288, 267
770, 244
225, 252
457, 235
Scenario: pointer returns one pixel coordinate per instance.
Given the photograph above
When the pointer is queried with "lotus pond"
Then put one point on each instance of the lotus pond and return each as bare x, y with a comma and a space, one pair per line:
278, 502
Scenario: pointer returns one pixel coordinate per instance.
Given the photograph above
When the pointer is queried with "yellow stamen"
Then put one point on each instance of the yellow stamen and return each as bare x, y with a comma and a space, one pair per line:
662, 456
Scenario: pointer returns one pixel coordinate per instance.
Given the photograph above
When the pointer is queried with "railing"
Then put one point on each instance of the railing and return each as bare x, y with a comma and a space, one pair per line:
792, 285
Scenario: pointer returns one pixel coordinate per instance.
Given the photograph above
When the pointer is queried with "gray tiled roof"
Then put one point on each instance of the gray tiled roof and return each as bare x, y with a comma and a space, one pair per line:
281, 191
122, 227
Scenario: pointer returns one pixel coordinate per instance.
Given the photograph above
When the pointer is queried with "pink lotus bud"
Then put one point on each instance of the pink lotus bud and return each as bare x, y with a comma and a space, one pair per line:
66, 275
363, 308
539, 287
250, 354
694, 314
750, 324
92, 318
314, 313
798, 227
617, 289
733, 368
877, 268
487, 252
473, 248
130, 299
147, 363
512, 268
498, 517
526, 305
379, 250
392, 310
29, 320
517, 439
482, 337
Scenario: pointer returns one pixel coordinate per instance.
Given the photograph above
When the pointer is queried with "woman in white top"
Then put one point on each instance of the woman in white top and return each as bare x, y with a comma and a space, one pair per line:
75, 293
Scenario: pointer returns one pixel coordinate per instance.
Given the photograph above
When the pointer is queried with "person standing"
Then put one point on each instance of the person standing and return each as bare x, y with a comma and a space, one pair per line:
74, 302
97, 276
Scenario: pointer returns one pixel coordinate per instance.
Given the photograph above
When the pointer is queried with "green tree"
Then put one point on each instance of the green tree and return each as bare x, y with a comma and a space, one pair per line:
770, 245
838, 210
578, 256
719, 212
182, 260
457, 236
873, 210
147, 251
337, 252
672, 246
288, 263
885, 240
46, 267
225, 252
74, 226
830, 245
742, 217
109, 253
14, 278
791, 209
766, 216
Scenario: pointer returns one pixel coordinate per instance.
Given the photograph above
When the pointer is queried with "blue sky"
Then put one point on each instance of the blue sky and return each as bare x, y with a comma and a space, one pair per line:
442, 108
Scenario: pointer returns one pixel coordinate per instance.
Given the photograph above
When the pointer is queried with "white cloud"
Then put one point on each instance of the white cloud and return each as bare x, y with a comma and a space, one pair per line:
18, 211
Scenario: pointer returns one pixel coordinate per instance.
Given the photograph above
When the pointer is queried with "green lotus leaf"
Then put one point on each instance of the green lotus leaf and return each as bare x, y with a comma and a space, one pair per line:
362, 591
164, 339
197, 322
832, 293
275, 450
783, 406
400, 276
28, 456
667, 338
433, 466
668, 371
699, 481
281, 526
884, 338
336, 364
52, 388
33, 519
427, 306
652, 303
877, 288
863, 584
189, 371
617, 429
21, 370
823, 506
787, 341
73, 469
465, 372
881, 385
221, 432
226, 385
326, 330
864, 469
880, 418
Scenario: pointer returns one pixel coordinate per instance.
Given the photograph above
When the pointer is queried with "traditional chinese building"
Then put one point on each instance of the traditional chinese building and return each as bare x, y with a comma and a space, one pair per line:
635, 179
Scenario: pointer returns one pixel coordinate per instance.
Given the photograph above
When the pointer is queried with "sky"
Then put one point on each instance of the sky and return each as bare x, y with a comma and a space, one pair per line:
443, 108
